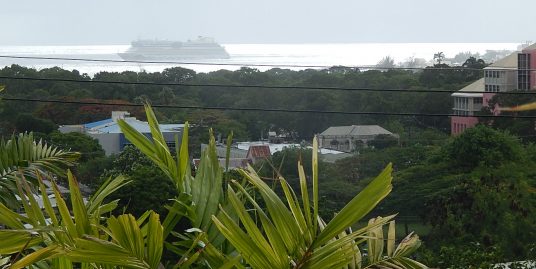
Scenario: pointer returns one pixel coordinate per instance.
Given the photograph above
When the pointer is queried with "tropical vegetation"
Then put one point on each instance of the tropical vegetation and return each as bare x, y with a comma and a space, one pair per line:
470, 198
213, 222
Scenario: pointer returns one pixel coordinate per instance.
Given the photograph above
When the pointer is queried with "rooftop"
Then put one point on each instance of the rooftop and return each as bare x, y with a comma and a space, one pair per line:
109, 126
259, 151
279, 147
507, 62
355, 130
477, 87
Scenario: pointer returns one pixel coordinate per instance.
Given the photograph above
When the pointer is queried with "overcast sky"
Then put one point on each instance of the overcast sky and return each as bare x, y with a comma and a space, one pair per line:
38, 22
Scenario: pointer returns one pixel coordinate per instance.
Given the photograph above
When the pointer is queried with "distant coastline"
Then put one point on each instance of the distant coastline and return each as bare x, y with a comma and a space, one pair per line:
290, 54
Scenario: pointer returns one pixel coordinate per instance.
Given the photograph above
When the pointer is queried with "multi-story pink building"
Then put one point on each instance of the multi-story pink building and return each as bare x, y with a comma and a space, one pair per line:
466, 103
514, 72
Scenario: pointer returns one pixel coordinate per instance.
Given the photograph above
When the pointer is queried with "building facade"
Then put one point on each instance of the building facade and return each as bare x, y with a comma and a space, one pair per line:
349, 138
110, 137
467, 103
514, 72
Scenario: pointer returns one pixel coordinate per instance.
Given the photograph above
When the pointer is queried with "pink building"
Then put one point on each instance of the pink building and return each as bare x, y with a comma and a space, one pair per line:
466, 103
514, 72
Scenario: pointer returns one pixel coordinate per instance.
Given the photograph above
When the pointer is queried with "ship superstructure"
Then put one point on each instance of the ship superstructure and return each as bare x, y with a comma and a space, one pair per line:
164, 50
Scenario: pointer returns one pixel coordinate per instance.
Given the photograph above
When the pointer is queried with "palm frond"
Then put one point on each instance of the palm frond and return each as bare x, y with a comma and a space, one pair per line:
74, 232
292, 234
391, 258
22, 154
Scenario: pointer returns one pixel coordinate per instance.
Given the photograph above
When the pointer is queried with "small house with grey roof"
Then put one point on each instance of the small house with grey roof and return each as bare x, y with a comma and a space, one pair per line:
348, 138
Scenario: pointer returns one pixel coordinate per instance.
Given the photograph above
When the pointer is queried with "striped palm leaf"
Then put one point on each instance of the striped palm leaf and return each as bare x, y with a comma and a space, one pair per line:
21, 153
52, 234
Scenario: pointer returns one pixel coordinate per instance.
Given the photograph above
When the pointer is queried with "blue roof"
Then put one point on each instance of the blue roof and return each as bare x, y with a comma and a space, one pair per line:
109, 126
97, 123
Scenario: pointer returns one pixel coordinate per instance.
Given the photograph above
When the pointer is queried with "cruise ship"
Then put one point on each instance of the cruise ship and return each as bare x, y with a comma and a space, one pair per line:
163, 50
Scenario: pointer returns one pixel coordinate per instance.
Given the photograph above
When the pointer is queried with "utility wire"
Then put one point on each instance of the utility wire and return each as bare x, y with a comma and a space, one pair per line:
312, 111
369, 67
349, 89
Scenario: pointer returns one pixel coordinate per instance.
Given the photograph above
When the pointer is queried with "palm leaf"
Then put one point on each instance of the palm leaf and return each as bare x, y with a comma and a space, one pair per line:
50, 235
22, 154
295, 236
392, 258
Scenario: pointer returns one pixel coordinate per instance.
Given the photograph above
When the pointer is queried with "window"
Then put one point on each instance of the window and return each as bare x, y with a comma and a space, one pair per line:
523, 74
477, 100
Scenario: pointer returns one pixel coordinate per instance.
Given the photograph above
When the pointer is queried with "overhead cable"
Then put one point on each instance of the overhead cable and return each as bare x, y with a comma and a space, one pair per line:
258, 109
350, 89
364, 67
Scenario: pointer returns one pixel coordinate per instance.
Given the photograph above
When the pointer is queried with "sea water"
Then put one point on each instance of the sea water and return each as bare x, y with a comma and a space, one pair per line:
260, 56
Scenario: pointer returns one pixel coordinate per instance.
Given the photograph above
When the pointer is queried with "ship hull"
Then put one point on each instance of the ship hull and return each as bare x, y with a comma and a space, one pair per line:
131, 56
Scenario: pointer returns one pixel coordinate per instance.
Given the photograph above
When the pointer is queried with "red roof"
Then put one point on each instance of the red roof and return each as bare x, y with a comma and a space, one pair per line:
258, 151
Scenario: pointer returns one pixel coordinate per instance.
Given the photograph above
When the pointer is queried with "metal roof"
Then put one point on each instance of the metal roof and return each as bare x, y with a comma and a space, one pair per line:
259, 151
97, 123
355, 130
109, 126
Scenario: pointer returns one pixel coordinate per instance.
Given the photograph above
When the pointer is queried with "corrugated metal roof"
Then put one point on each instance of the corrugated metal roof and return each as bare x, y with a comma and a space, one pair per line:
259, 151
98, 123
279, 147
109, 126
355, 130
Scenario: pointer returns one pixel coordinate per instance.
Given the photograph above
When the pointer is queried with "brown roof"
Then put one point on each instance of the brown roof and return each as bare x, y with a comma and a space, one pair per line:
259, 151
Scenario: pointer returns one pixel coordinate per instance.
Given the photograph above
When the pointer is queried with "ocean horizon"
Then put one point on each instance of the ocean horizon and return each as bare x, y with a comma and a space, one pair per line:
261, 56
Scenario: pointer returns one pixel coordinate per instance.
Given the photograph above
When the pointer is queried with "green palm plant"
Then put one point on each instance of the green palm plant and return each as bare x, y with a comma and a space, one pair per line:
199, 196
21, 153
45, 237
230, 229
282, 234
290, 233
393, 256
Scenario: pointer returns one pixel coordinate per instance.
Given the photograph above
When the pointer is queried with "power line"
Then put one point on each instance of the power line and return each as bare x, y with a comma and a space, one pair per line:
349, 89
257, 109
367, 67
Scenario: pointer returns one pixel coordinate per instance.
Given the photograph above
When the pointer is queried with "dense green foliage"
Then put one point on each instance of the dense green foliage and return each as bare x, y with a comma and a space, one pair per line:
149, 190
473, 192
26, 122
476, 188
521, 127
87, 146
244, 125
